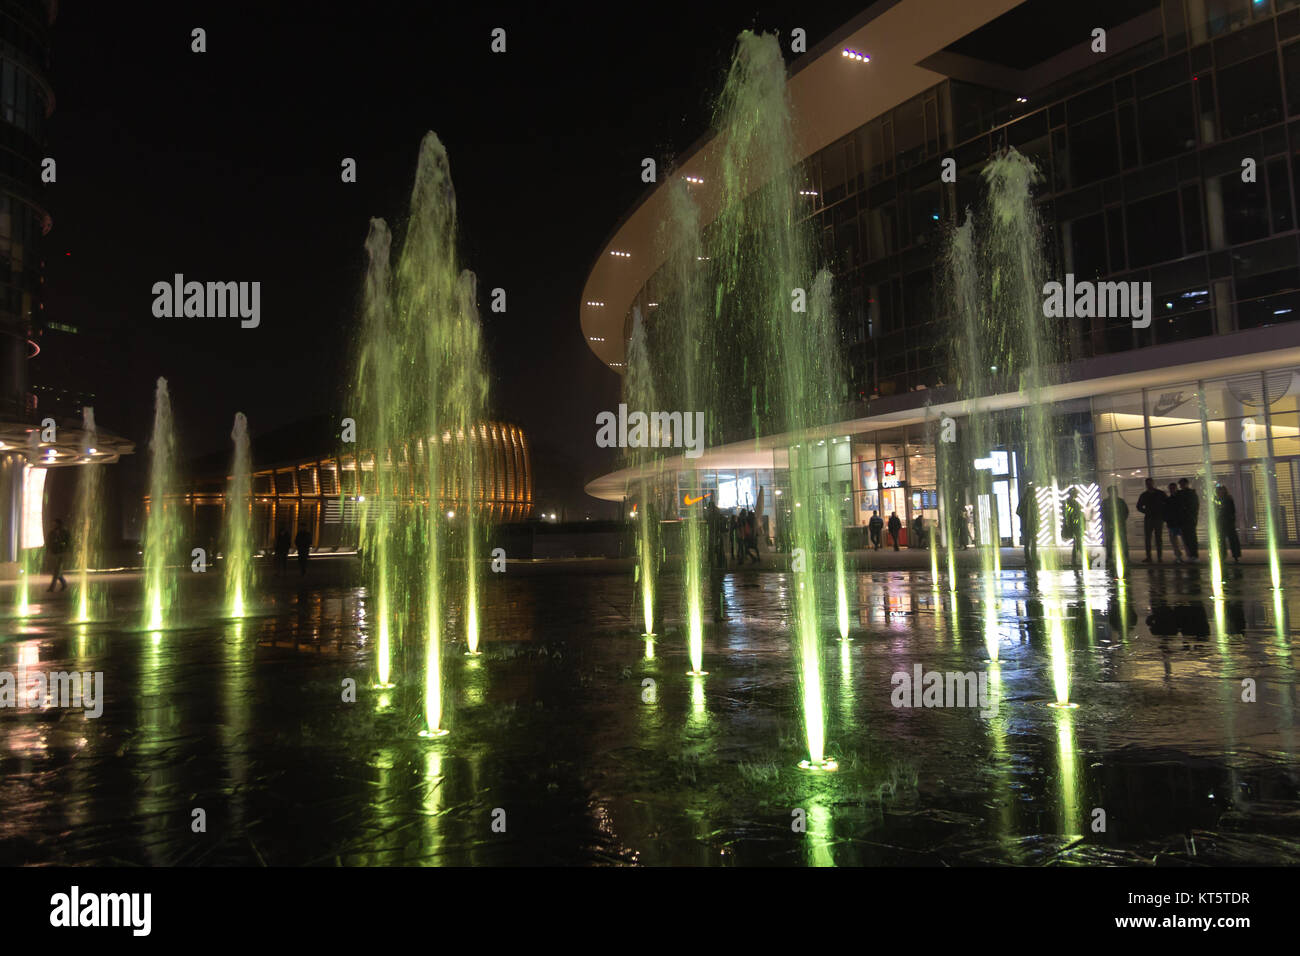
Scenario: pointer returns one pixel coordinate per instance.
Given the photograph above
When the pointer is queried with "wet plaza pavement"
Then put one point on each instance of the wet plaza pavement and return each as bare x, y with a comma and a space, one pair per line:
574, 742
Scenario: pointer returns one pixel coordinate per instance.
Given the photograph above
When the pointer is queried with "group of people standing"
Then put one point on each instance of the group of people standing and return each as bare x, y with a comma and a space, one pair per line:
876, 525
302, 542
736, 534
1176, 512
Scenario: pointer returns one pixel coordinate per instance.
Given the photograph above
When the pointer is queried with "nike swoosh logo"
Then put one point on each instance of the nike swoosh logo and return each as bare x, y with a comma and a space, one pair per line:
687, 499
1167, 403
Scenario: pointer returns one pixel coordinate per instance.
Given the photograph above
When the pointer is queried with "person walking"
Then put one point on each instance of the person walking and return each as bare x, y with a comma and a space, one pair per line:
918, 531
1227, 515
303, 543
895, 527
1114, 521
1189, 505
282, 550
751, 538
1027, 512
1151, 505
1072, 526
59, 544
875, 527
1173, 518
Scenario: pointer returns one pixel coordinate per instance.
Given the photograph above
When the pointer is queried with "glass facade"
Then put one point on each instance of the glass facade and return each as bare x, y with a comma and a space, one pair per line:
1242, 423
1141, 157
25, 103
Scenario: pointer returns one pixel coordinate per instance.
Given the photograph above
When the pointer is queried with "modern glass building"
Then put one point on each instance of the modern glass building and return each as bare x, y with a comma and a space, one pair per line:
26, 101
1169, 158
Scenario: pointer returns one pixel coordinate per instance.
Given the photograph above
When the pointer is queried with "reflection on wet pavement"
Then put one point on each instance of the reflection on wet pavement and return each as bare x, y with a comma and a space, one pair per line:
575, 742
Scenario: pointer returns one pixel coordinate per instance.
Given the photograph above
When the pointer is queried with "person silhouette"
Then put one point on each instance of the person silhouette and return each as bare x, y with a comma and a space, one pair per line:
60, 543
303, 543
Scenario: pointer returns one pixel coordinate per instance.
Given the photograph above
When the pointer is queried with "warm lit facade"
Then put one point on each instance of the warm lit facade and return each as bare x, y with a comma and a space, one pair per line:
1141, 152
324, 494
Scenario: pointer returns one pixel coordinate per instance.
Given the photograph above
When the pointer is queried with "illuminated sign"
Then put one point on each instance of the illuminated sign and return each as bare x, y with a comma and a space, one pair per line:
888, 474
996, 463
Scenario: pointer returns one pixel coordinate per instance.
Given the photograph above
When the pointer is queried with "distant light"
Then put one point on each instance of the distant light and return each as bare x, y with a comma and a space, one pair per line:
361, 498
807, 192
693, 179
621, 255
778, 492
654, 305
451, 514
91, 451
595, 338
1281, 311
993, 368
701, 258
1021, 99
934, 216
855, 55
597, 305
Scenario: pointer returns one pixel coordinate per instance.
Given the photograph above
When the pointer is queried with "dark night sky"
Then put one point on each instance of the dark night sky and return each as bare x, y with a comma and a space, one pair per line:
225, 166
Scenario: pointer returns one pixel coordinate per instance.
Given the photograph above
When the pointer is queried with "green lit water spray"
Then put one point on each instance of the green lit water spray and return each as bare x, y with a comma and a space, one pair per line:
238, 545
1003, 339
162, 529
1028, 341
464, 406
376, 387
86, 531
1207, 486
764, 271
973, 372
1270, 527
422, 389
689, 364
1270, 510
822, 319
639, 394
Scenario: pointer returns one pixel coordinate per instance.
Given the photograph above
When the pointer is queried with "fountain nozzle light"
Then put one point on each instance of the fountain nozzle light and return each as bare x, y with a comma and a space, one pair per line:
826, 765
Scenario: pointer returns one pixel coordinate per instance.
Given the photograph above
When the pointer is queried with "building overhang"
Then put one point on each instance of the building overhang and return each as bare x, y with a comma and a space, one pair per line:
831, 96
72, 446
